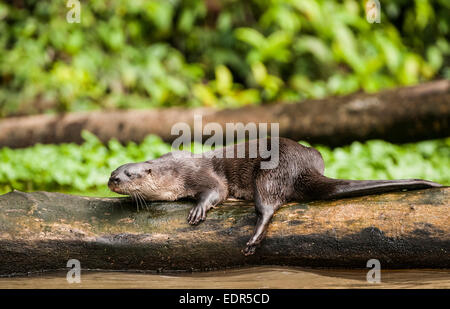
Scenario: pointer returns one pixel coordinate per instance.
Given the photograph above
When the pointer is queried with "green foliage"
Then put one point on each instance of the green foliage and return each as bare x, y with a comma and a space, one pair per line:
85, 168
70, 166
137, 54
378, 159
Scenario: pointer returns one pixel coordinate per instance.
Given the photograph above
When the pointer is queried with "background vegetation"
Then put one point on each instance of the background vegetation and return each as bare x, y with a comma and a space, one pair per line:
212, 53
222, 53
85, 168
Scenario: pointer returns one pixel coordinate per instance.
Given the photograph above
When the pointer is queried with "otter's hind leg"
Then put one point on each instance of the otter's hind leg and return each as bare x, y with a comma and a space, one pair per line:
264, 210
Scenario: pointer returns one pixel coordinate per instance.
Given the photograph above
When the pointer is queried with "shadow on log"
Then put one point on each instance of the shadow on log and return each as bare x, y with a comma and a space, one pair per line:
42, 231
398, 115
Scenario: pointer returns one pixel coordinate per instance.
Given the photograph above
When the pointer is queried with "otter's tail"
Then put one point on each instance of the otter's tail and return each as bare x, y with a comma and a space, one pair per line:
330, 188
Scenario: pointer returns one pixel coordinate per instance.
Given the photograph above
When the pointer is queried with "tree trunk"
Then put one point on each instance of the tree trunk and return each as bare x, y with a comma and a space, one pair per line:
398, 115
42, 231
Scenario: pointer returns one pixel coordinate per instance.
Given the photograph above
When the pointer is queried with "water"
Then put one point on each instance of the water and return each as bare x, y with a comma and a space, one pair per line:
254, 277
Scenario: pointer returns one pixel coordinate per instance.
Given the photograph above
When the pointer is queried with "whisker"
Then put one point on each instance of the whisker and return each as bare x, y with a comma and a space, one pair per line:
136, 200
143, 200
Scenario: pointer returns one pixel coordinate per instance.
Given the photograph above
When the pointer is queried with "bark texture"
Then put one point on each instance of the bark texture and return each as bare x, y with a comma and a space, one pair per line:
42, 231
398, 115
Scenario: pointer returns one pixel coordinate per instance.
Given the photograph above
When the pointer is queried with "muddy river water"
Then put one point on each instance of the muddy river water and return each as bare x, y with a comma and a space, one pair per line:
254, 277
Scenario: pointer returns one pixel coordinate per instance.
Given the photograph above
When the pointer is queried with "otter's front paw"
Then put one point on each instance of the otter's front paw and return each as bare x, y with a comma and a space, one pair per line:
249, 250
196, 215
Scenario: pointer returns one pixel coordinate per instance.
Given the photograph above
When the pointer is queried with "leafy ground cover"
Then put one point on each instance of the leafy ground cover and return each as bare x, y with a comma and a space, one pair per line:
84, 169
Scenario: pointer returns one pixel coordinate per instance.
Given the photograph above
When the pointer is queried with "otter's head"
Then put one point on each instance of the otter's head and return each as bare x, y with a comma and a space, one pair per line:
145, 180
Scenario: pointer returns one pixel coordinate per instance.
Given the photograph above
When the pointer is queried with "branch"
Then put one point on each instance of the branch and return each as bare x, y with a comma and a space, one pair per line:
398, 115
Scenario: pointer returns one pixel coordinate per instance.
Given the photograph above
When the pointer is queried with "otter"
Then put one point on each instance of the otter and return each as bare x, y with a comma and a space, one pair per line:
214, 177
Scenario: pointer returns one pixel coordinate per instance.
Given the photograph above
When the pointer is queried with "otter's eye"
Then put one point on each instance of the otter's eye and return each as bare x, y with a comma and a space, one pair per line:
127, 173
148, 171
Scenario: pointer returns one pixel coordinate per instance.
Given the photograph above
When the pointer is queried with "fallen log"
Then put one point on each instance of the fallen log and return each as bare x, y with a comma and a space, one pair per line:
42, 231
398, 115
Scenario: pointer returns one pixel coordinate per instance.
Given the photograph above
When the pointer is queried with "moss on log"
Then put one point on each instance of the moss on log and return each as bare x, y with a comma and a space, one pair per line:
42, 231
398, 115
